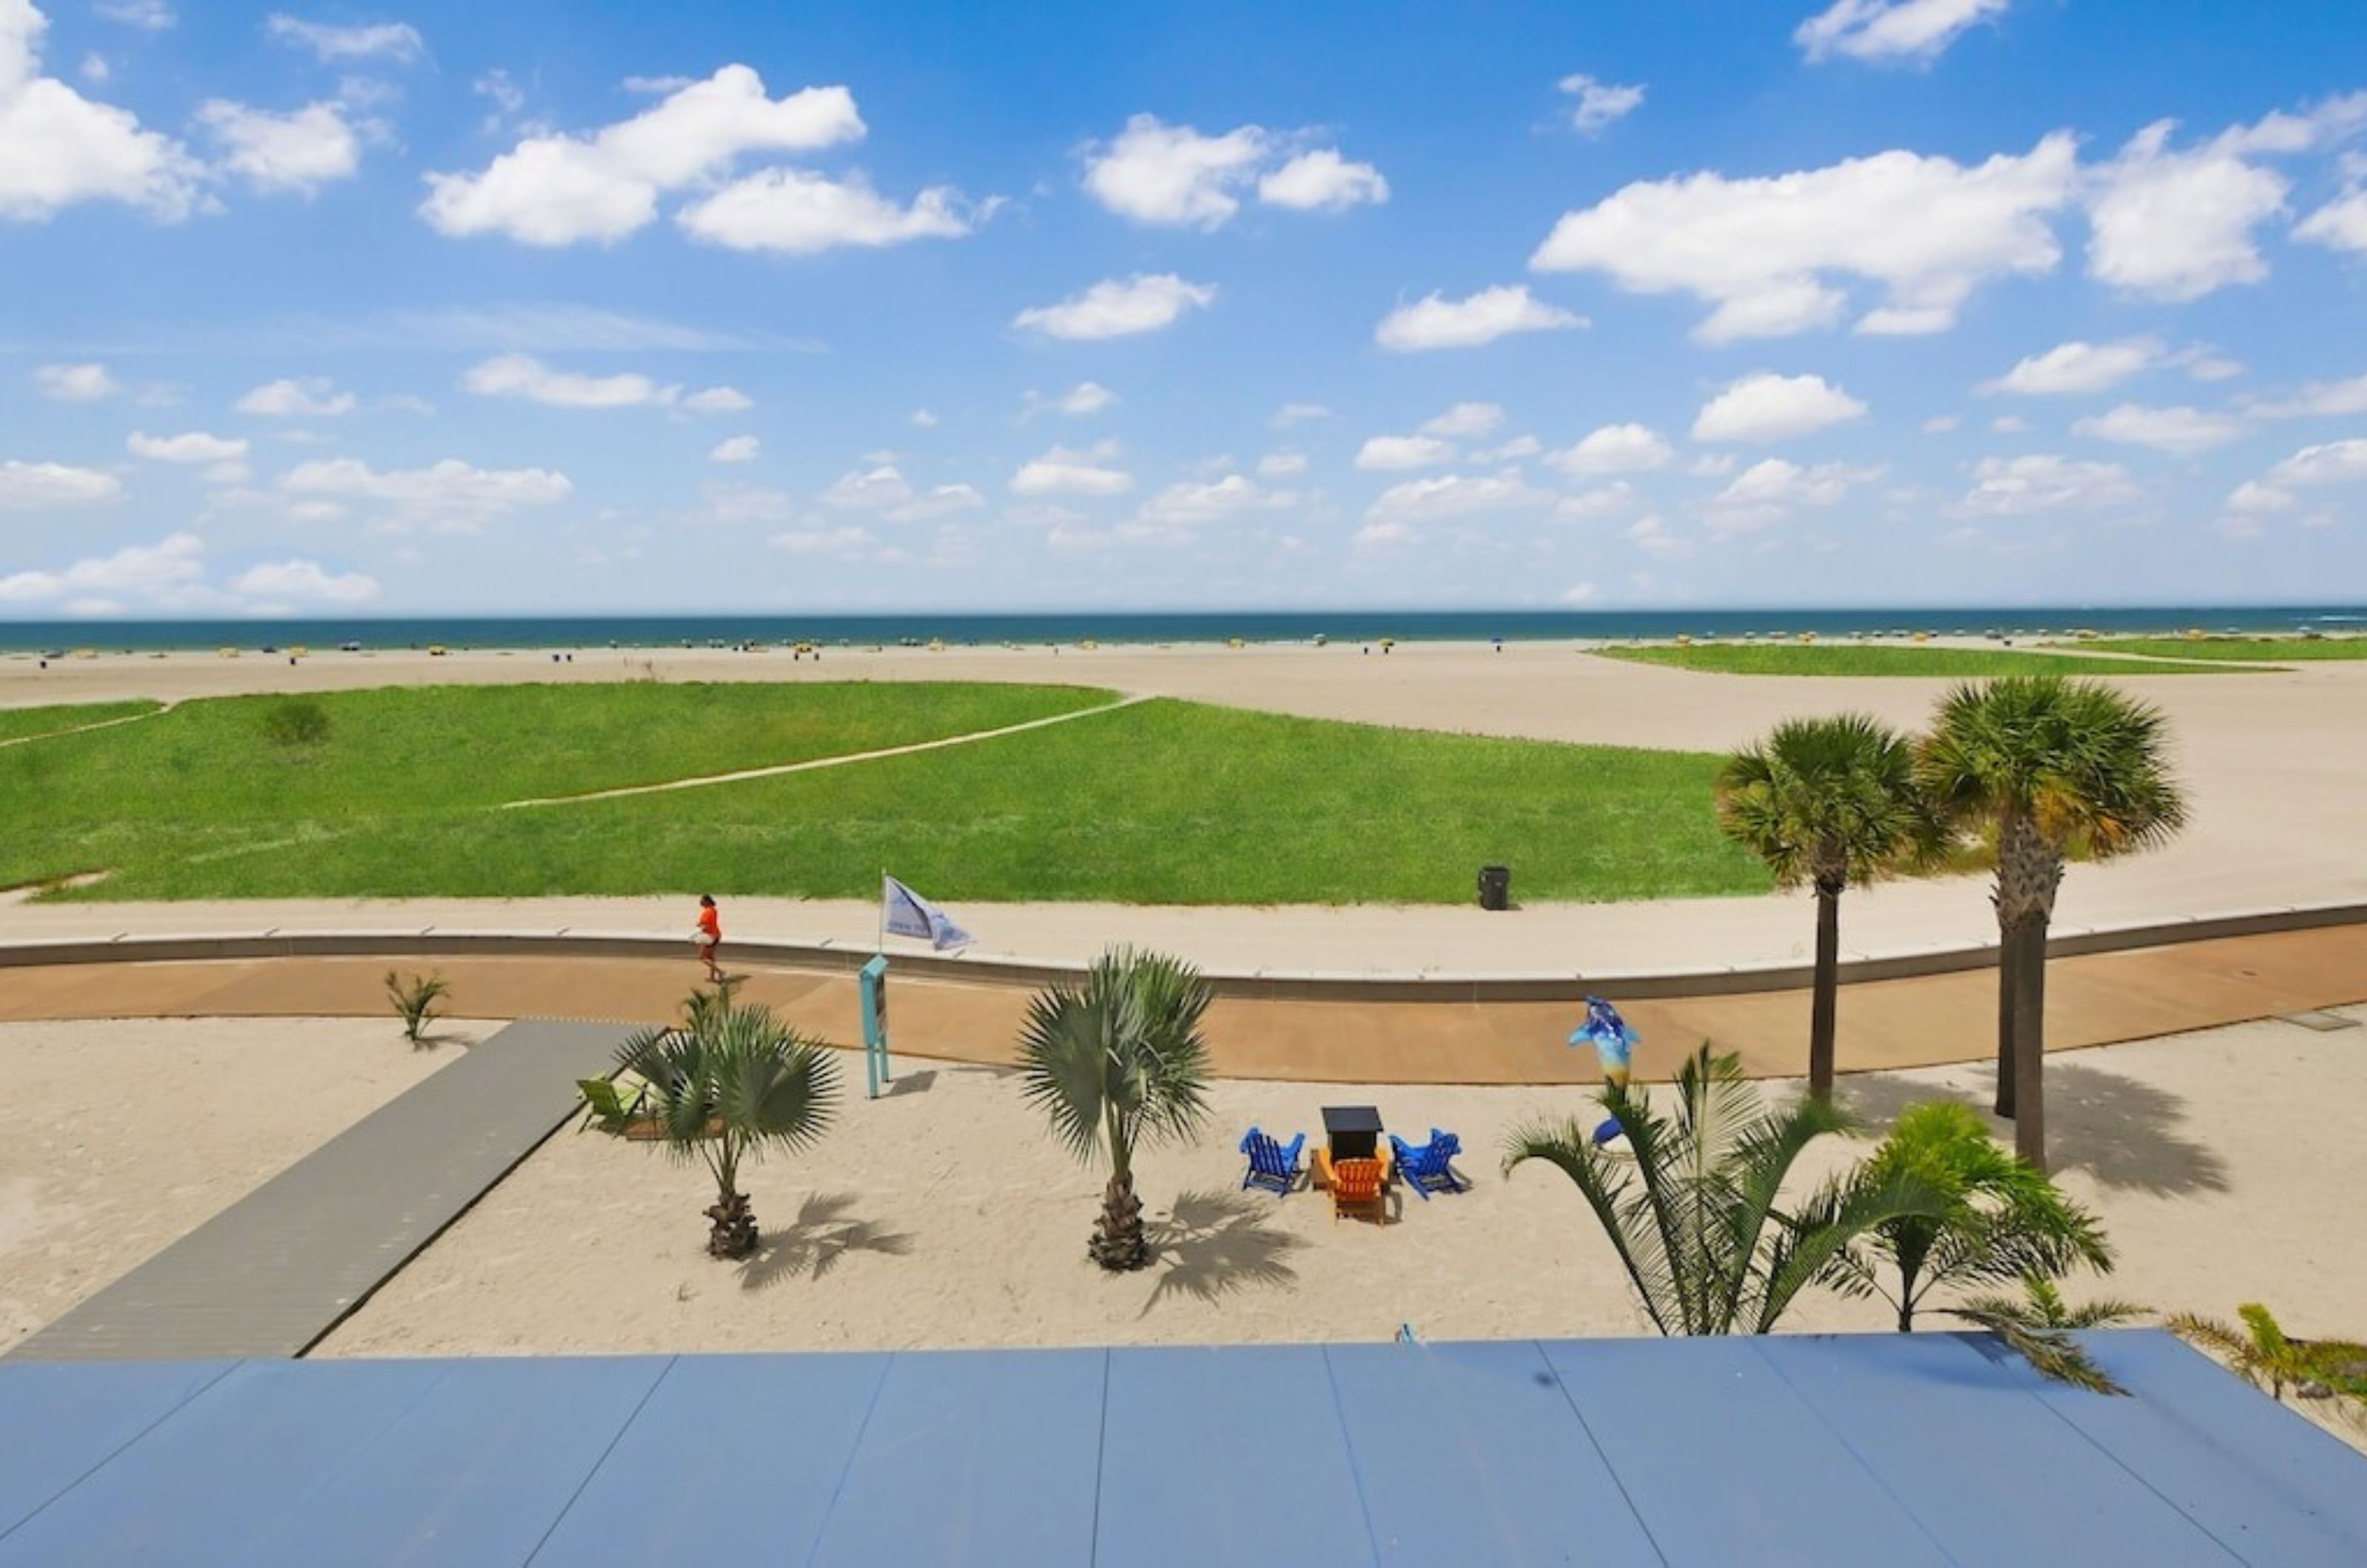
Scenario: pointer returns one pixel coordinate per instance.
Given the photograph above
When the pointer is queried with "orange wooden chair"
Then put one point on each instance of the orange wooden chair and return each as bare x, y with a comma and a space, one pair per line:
1360, 1186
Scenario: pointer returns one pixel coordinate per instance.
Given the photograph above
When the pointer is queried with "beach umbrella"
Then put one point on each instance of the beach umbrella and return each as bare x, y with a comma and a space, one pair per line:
1614, 1043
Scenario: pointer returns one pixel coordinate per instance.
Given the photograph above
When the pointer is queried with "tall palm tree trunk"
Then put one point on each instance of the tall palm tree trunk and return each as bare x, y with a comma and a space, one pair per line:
2030, 1043
1119, 1243
731, 1228
1823, 1009
2008, 970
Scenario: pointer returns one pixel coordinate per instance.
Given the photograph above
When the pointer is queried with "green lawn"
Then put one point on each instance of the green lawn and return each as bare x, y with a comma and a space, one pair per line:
2239, 650
16, 724
1852, 659
1161, 802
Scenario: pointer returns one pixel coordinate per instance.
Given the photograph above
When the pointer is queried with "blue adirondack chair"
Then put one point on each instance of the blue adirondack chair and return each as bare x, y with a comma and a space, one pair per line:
1272, 1166
1430, 1167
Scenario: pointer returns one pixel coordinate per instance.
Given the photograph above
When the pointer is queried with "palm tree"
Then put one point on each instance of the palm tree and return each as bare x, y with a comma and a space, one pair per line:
2052, 767
729, 1085
1115, 1060
2038, 1326
2004, 1220
1695, 1218
1829, 801
2266, 1357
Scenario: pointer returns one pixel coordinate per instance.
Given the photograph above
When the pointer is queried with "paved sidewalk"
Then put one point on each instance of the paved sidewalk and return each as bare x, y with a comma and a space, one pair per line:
2095, 999
275, 1271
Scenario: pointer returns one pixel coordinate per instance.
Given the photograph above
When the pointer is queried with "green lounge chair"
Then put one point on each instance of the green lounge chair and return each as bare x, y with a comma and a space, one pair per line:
610, 1107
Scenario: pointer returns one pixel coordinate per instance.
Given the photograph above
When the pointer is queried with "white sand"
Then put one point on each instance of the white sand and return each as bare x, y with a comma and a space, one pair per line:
2272, 761
125, 1136
945, 1216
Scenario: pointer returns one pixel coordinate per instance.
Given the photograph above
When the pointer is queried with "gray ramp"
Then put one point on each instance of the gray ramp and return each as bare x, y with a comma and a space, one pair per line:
272, 1273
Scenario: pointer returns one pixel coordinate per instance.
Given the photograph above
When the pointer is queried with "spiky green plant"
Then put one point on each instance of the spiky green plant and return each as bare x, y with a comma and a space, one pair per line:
2267, 1356
1697, 1217
2045, 763
1832, 803
1112, 1061
729, 1085
415, 1003
2038, 1326
2004, 1220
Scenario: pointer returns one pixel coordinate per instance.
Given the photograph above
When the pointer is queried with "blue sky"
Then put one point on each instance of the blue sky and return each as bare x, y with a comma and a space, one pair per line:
441, 308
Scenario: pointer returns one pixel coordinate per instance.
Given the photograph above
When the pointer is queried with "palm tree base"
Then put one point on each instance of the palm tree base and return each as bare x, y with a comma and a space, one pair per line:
1118, 1241
732, 1235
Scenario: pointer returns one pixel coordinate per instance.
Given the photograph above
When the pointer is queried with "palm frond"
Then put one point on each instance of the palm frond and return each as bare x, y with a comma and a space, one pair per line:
1569, 1148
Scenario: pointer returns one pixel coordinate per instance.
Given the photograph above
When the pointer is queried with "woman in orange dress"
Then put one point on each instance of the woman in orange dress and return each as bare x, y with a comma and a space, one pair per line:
709, 937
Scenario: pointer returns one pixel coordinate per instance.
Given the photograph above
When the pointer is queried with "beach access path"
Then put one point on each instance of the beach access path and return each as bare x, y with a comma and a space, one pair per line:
283, 1266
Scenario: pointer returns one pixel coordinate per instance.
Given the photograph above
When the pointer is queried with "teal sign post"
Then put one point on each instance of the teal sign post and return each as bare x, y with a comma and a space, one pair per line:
873, 984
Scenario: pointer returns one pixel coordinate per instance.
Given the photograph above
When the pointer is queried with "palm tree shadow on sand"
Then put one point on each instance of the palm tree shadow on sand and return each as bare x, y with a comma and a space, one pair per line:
2125, 1132
1216, 1243
812, 1245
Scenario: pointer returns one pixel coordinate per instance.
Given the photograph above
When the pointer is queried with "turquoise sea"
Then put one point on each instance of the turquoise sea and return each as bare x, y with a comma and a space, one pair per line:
1336, 625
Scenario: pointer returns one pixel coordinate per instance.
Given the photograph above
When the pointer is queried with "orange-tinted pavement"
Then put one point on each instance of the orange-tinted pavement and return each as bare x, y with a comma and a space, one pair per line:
2092, 1000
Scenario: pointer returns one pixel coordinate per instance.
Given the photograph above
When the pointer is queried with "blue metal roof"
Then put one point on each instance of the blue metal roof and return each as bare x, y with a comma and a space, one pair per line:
1889, 1448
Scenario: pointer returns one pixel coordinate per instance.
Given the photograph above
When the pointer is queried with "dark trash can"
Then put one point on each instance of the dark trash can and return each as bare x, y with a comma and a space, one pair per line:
1495, 886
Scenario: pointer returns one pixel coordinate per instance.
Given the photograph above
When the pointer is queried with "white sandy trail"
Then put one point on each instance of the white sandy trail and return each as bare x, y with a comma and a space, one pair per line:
157, 712
745, 774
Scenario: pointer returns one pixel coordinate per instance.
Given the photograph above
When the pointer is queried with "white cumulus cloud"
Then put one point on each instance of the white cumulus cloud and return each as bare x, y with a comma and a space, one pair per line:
308, 398
2332, 462
1323, 181
2181, 432
523, 377
32, 486
169, 574
1115, 308
1773, 488
2008, 487
1086, 397
1404, 452
449, 494
1464, 420
75, 383
197, 446
2317, 399
798, 212
1766, 407
1886, 32
718, 400
554, 189
1193, 504
2077, 366
1616, 449
1062, 471
1447, 497
1769, 253
2341, 224
1436, 321
1600, 103
58, 149
300, 151
736, 449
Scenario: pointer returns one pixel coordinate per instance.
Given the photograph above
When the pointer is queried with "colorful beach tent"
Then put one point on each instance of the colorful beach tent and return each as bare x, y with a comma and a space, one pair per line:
903, 912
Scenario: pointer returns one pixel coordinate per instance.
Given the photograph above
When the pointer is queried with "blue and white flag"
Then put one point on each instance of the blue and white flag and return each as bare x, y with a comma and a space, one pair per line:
903, 912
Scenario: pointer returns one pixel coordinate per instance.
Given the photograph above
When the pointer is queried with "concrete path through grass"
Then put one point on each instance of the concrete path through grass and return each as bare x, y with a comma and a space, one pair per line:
272, 1273
809, 766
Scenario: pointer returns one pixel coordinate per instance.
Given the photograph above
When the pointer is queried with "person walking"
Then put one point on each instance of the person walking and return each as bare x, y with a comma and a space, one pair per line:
709, 936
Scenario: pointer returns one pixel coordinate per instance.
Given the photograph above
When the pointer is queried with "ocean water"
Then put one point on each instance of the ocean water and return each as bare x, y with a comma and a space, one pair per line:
1342, 626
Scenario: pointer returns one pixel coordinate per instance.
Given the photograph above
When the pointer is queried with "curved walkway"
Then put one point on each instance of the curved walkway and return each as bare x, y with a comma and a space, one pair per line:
159, 711
2093, 999
812, 764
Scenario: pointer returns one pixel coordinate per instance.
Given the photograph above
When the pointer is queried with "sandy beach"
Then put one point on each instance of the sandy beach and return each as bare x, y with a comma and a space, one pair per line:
942, 1214
2272, 762
129, 1136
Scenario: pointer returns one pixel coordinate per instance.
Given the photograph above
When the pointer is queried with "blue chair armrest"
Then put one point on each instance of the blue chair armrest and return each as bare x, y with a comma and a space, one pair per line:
1291, 1151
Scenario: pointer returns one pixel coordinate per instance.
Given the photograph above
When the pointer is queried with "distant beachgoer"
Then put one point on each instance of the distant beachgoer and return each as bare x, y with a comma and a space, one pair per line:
709, 936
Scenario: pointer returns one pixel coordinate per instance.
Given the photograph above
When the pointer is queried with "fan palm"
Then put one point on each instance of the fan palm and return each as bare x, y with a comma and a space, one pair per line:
729, 1085
2004, 1220
1695, 1219
2048, 765
1830, 802
1115, 1060
2265, 1356
2038, 1326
